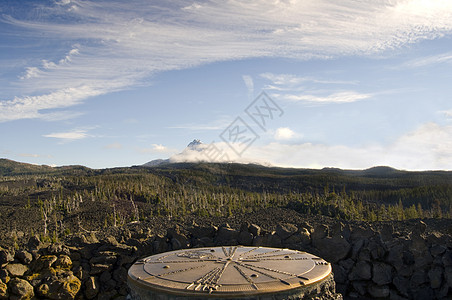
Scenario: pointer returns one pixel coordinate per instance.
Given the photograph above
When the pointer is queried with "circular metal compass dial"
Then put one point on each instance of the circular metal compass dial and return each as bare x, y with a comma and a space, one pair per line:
231, 271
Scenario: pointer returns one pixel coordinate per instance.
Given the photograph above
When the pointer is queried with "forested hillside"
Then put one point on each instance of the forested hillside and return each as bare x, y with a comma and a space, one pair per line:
58, 201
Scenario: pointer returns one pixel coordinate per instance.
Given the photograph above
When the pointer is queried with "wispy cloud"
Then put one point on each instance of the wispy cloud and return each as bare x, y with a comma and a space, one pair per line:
339, 97
77, 134
115, 45
308, 89
430, 60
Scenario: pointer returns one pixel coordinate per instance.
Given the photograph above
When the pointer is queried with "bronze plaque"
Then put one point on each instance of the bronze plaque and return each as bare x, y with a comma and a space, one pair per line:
230, 271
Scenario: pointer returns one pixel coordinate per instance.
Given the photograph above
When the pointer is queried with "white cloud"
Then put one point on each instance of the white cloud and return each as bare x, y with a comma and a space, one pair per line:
295, 88
284, 133
157, 148
70, 135
142, 39
31, 107
428, 147
339, 97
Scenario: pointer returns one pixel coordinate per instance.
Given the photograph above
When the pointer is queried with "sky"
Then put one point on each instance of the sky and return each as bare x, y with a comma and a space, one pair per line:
294, 83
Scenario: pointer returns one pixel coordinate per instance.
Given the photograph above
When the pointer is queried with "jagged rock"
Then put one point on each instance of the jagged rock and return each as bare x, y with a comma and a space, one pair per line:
203, 231
294, 240
56, 249
402, 284
227, 235
448, 276
364, 255
340, 275
362, 233
320, 232
245, 238
91, 287
424, 261
377, 249
285, 230
438, 250
419, 277
386, 232
120, 275
408, 258
24, 257
332, 249
5, 257
254, 230
436, 277
105, 277
419, 228
16, 270
34, 243
160, 244
424, 293
378, 291
381, 273
3, 291
356, 248
20, 289
361, 271
62, 286
107, 295
108, 259
63, 262
273, 240
447, 258
395, 257
4, 275
99, 268
42, 263
305, 236
177, 238
360, 287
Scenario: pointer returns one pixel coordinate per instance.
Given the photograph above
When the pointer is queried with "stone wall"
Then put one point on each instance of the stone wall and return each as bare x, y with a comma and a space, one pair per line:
368, 261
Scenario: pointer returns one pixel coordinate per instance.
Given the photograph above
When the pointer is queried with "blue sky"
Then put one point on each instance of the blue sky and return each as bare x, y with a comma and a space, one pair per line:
119, 83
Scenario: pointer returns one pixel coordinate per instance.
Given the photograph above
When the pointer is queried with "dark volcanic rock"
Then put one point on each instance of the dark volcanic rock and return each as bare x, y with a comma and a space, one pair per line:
20, 289
332, 249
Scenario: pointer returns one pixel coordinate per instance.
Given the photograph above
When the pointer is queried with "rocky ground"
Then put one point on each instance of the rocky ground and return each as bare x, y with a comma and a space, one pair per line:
396, 260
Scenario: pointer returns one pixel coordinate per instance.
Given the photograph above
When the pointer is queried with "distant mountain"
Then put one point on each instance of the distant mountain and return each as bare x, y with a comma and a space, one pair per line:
10, 167
195, 145
156, 162
380, 171
14, 168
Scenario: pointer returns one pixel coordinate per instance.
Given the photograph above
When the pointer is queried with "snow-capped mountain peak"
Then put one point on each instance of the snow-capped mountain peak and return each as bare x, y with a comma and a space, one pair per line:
195, 145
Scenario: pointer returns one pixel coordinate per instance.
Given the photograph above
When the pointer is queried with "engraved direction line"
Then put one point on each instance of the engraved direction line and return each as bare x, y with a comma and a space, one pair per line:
278, 271
263, 254
263, 273
164, 256
180, 261
250, 281
275, 255
180, 271
232, 252
249, 251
